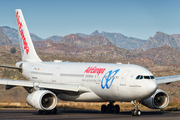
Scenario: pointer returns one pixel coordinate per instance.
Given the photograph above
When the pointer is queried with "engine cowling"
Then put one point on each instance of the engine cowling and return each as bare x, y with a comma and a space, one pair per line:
42, 100
158, 100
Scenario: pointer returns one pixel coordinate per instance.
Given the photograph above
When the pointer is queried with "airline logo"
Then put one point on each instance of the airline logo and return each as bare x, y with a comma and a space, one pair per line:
26, 47
91, 69
108, 79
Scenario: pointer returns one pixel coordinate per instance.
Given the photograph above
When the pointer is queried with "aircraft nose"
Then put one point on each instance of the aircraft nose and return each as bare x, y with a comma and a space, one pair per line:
151, 86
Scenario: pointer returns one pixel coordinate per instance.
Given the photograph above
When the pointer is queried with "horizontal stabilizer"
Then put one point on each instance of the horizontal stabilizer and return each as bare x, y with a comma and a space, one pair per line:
12, 67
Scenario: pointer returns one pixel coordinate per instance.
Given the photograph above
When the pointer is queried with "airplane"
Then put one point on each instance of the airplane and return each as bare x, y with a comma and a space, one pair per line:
84, 82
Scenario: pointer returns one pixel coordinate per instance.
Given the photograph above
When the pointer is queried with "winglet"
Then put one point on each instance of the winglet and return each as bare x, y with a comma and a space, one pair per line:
28, 52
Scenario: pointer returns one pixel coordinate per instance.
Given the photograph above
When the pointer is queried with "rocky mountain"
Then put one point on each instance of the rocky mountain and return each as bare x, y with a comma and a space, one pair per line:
104, 51
82, 35
4, 40
87, 42
119, 39
161, 39
13, 34
35, 37
123, 41
44, 43
96, 32
164, 55
37, 44
55, 38
107, 51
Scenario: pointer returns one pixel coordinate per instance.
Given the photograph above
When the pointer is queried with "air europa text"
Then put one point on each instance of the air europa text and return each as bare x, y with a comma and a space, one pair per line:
26, 47
91, 69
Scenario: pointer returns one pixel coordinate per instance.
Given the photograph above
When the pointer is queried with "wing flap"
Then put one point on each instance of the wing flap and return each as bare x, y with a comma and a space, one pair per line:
167, 79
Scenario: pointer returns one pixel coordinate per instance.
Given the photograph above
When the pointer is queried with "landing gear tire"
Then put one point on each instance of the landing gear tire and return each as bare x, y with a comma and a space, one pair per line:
110, 108
103, 108
117, 108
136, 112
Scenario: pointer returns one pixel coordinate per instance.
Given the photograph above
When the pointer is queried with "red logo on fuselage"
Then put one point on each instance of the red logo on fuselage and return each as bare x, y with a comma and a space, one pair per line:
91, 69
26, 47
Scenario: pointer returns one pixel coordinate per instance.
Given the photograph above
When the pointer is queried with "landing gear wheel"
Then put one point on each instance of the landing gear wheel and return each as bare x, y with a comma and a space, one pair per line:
136, 112
109, 108
133, 112
103, 108
117, 108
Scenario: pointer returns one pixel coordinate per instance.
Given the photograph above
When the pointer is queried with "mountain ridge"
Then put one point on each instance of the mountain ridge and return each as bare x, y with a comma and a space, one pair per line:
161, 39
87, 42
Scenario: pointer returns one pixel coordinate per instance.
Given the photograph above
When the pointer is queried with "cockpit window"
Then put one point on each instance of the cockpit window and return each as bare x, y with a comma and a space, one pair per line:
138, 77
146, 77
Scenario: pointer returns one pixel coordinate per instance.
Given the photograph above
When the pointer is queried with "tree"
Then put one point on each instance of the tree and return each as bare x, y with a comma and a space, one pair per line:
13, 50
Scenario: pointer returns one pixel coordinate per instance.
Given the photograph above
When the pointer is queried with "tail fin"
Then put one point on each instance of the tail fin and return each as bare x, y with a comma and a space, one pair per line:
28, 52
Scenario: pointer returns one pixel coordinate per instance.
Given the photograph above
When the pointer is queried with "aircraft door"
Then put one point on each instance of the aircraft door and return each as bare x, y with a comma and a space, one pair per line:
55, 75
124, 77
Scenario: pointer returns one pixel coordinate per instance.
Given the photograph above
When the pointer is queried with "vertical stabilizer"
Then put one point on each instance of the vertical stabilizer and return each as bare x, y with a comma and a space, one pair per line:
28, 52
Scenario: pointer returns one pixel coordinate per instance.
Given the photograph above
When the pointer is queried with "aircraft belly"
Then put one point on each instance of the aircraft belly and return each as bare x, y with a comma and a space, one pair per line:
84, 97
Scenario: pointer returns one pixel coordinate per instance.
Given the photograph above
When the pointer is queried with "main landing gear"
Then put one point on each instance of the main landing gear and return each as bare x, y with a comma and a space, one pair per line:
110, 108
54, 111
136, 111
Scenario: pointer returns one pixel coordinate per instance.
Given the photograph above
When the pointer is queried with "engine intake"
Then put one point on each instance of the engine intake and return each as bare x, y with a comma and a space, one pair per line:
158, 100
42, 100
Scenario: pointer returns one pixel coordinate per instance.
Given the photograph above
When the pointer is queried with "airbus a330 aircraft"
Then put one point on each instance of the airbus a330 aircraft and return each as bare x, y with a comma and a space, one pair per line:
84, 82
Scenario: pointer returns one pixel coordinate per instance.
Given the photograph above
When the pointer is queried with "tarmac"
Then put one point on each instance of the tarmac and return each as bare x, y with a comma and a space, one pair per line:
29, 114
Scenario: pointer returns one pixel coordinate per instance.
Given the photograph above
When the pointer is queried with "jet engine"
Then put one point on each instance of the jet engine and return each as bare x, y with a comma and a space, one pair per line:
158, 100
42, 100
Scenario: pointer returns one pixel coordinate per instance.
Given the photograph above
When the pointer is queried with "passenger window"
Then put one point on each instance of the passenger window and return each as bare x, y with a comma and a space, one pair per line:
138, 77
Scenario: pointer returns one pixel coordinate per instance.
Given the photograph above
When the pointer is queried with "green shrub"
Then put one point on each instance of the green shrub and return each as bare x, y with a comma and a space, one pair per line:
13, 50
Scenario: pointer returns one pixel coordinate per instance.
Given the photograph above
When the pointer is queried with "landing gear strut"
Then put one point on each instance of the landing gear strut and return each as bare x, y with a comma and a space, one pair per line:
136, 111
110, 108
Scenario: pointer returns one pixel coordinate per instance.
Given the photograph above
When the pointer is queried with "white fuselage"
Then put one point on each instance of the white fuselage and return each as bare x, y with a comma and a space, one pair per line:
107, 82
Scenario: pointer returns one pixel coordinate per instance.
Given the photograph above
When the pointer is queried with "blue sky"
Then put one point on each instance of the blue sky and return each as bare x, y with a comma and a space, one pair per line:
132, 18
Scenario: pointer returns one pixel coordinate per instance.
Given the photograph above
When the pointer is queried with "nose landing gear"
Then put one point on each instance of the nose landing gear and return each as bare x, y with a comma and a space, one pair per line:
110, 108
136, 111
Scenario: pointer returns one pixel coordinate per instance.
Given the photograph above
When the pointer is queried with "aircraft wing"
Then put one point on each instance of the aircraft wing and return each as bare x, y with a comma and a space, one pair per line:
56, 86
167, 79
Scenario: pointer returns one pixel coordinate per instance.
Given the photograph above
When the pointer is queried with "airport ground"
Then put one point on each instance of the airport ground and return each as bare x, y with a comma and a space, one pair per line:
31, 114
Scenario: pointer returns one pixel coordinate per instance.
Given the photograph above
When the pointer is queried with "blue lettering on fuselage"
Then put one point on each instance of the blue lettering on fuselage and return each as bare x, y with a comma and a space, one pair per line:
108, 78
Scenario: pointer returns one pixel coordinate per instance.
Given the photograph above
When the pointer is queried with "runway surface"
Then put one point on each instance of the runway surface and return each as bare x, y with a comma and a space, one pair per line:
85, 115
